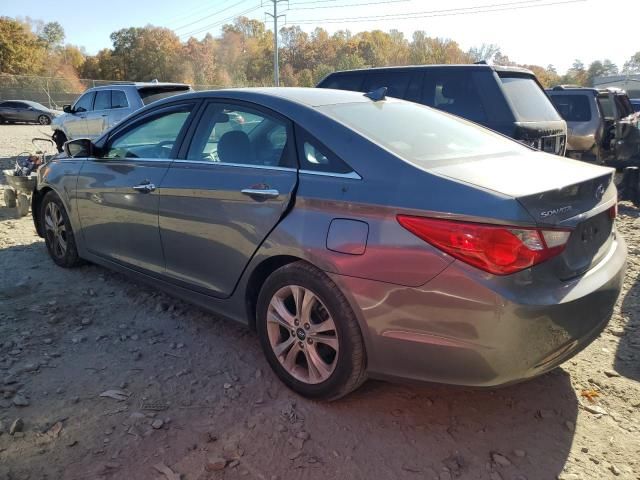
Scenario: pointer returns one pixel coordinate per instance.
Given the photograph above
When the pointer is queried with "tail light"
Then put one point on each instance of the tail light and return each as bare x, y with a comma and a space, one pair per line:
613, 211
496, 249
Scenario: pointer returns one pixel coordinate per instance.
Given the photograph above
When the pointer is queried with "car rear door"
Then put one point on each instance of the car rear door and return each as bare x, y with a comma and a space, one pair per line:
118, 193
229, 190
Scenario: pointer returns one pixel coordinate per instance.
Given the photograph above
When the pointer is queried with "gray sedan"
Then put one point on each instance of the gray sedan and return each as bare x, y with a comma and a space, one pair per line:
25, 111
359, 236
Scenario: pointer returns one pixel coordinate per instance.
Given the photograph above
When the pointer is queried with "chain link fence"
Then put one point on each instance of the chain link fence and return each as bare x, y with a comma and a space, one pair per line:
54, 92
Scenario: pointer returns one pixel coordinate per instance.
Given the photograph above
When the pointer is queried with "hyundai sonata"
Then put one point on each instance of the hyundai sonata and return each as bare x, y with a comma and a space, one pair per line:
360, 236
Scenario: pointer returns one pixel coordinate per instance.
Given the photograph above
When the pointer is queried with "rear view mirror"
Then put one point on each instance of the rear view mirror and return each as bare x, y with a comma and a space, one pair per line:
66, 109
82, 147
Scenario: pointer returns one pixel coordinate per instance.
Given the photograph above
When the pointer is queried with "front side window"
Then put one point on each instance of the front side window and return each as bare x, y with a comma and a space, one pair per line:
103, 100
528, 99
154, 137
433, 138
84, 103
573, 108
241, 135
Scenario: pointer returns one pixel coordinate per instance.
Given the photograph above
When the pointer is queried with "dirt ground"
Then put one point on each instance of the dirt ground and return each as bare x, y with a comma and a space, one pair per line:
196, 400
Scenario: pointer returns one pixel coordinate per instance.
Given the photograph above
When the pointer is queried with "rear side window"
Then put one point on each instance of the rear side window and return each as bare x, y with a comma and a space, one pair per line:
396, 82
103, 100
118, 99
315, 157
529, 101
151, 94
240, 135
573, 108
343, 82
454, 92
605, 106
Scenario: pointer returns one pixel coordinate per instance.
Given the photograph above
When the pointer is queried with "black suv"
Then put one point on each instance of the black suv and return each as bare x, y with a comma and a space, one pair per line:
508, 100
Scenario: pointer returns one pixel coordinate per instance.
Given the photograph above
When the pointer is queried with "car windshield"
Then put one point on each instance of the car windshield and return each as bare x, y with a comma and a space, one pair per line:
419, 134
529, 101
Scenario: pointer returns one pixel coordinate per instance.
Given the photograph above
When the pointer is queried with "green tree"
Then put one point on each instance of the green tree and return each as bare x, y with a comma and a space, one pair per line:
21, 52
632, 65
52, 34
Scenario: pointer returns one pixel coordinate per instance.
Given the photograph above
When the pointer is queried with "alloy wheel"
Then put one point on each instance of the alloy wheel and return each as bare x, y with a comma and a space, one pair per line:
55, 229
43, 120
302, 334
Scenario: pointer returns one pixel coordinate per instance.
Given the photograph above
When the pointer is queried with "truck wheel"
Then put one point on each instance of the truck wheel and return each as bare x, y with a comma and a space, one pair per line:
22, 202
9, 198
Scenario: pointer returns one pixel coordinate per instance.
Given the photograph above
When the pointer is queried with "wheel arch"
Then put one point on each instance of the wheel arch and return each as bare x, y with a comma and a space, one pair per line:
36, 202
257, 278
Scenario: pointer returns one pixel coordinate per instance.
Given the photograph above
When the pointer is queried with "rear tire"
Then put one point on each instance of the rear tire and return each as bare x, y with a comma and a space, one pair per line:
9, 197
44, 120
58, 234
309, 333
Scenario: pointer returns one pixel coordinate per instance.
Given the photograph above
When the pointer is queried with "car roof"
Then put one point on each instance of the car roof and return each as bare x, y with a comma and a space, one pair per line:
473, 66
28, 102
139, 85
568, 89
310, 97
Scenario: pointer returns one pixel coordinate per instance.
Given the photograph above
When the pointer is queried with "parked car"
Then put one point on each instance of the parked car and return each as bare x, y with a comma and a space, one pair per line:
360, 238
102, 107
602, 125
12, 111
508, 100
635, 103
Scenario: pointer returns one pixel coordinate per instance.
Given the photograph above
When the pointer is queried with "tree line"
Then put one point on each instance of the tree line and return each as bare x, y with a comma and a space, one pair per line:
242, 55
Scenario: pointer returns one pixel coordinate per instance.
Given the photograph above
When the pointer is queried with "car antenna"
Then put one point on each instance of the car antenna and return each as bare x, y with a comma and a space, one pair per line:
377, 94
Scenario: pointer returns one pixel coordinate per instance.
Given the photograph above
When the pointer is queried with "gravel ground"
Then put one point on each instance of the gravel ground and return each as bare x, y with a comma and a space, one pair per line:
194, 398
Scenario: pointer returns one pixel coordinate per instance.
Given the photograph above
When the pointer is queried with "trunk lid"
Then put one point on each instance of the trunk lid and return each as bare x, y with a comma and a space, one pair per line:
558, 193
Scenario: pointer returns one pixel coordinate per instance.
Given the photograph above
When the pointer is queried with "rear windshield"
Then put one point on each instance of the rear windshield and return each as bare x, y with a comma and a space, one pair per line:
351, 81
419, 134
529, 101
152, 94
573, 108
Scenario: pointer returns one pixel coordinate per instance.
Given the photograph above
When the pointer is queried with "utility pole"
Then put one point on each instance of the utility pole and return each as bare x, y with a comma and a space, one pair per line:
275, 16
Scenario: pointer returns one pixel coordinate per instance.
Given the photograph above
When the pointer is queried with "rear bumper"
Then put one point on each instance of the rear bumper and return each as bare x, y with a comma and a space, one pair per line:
467, 329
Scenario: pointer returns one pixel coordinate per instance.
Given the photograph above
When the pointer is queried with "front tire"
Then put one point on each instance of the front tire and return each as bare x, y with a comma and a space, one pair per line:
44, 120
309, 333
58, 234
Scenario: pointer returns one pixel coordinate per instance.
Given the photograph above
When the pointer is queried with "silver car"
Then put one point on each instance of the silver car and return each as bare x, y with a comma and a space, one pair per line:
100, 108
359, 236
12, 111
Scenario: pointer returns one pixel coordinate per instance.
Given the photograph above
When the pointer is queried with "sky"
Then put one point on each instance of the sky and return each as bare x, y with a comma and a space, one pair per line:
540, 32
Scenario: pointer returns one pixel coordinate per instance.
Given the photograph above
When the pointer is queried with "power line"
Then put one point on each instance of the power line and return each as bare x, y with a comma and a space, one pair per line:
191, 14
218, 23
434, 13
296, 8
212, 15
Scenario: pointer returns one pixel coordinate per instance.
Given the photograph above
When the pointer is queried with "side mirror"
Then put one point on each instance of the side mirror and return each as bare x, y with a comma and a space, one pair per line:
67, 109
82, 147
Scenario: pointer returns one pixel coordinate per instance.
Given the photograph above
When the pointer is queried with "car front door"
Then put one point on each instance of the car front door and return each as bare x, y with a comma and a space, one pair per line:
117, 194
97, 120
75, 123
225, 195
